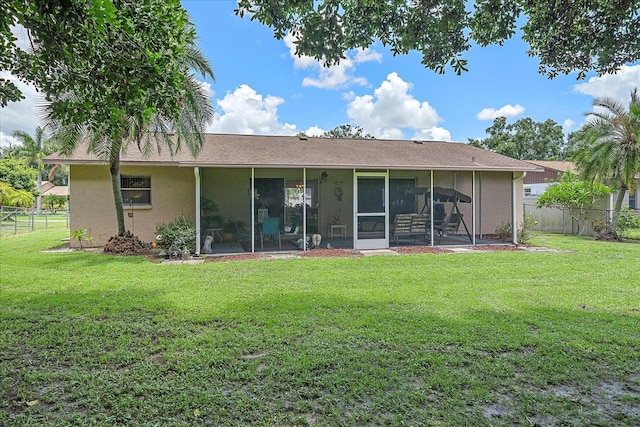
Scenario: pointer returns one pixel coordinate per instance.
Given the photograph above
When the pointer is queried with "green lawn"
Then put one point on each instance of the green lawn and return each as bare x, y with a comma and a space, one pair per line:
503, 338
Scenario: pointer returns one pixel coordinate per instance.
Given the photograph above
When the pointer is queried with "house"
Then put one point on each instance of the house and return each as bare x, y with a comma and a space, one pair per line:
347, 190
48, 188
535, 183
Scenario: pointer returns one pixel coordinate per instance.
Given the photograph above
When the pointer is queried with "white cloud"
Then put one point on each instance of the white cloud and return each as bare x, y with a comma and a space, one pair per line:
340, 75
21, 115
7, 141
506, 111
244, 111
617, 86
567, 125
314, 131
391, 109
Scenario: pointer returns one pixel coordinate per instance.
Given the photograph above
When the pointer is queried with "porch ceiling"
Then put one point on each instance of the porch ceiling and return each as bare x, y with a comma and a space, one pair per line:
222, 150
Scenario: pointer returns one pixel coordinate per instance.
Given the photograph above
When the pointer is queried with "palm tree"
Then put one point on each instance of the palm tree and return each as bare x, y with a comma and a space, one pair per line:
609, 147
34, 149
166, 128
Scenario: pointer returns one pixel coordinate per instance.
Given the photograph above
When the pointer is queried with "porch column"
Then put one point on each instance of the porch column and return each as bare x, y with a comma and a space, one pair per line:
431, 205
253, 209
196, 172
304, 209
473, 208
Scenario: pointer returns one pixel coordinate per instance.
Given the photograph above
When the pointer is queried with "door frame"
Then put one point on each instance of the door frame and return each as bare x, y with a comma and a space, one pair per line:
381, 243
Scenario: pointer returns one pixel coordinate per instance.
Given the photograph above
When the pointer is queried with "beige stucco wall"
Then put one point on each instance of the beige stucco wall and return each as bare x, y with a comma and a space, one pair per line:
92, 206
173, 194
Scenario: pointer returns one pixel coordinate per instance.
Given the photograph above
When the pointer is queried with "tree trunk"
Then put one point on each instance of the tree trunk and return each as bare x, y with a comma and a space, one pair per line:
114, 170
39, 198
617, 208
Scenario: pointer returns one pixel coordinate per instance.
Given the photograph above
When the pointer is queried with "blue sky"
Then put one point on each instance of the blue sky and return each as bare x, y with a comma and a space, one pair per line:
261, 88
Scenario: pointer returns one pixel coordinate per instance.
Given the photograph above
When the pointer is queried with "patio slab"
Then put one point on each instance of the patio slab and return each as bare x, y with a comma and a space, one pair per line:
370, 252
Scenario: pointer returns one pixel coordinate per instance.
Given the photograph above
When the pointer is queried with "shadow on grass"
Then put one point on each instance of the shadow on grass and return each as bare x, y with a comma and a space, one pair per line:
317, 359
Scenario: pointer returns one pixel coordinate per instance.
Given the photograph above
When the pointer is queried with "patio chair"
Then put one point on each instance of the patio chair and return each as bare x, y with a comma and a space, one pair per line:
401, 226
453, 224
241, 233
420, 226
449, 225
270, 227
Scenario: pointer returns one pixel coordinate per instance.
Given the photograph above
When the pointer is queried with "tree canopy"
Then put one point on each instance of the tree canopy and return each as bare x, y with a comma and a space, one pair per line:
524, 139
115, 56
115, 74
573, 195
17, 174
565, 36
347, 131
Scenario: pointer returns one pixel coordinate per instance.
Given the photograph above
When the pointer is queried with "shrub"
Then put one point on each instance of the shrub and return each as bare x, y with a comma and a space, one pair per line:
503, 231
627, 220
177, 234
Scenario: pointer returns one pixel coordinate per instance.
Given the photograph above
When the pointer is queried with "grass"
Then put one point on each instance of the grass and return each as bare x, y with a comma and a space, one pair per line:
504, 338
24, 223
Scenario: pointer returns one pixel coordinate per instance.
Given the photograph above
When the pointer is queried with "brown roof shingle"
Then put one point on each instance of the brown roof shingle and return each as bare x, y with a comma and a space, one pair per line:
228, 150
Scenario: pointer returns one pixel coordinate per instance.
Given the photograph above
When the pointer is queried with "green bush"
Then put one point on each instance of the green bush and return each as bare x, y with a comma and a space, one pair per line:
627, 220
503, 231
176, 235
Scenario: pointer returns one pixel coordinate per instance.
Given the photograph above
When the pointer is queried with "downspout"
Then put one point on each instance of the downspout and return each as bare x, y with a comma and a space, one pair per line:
196, 172
514, 198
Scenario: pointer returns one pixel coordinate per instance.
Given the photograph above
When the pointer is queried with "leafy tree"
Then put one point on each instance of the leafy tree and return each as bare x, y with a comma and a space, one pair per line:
565, 36
6, 192
347, 131
54, 201
9, 196
117, 75
524, 139
34, 149
17, 174
573, 195
609, 147
21, 198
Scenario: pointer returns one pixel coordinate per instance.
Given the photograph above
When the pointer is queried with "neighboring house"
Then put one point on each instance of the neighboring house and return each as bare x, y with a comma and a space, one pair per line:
536, 182
56, 190
357, 186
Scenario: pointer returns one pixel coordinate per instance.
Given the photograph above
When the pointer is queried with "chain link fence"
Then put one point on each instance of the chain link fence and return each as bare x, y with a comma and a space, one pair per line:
19, 220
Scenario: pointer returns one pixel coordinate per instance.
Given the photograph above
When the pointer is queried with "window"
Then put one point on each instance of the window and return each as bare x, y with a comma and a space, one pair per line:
136, 190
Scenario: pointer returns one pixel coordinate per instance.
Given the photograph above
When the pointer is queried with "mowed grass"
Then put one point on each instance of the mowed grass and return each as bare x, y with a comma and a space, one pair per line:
502, 338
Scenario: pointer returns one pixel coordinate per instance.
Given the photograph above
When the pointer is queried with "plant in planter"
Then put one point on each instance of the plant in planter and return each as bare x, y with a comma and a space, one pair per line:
207, 206
233, 230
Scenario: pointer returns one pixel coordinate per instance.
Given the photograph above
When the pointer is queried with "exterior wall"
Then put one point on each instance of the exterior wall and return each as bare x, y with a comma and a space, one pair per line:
173, 194
549, 175
495, 199
92, 206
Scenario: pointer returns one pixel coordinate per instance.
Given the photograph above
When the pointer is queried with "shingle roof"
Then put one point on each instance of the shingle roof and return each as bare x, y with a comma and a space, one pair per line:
558, 165
226, 150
